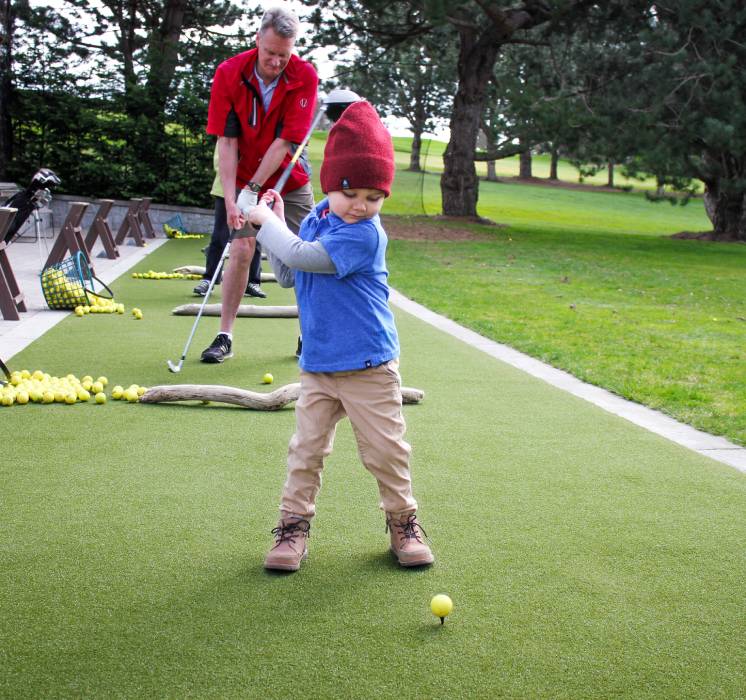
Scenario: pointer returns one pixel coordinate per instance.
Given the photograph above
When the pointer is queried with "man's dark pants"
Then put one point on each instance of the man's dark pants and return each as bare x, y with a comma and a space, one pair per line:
220, 235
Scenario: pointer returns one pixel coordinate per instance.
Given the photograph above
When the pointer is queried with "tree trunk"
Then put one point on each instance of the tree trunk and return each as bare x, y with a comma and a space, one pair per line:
726, 210
479, 47
7, 22
610, 171
414, 156
258, 401
491, 171
163, 53
554, 165
525, 170
244, 311
459, 184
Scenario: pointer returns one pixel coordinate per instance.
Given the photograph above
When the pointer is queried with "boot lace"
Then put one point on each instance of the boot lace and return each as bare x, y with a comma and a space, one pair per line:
288, 532
409, 528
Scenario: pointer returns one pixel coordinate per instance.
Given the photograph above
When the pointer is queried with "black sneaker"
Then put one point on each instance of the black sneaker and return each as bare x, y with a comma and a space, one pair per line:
299, 349
201, 289
254, 290
219, 350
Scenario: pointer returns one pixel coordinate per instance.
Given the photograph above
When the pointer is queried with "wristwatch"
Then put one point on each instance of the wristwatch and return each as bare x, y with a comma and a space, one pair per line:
254, 187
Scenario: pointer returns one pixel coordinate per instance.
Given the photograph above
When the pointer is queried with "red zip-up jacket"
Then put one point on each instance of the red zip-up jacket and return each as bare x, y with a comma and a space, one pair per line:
236, 110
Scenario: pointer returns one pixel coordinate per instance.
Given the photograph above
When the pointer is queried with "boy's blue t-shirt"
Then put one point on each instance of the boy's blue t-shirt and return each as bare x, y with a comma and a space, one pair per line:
345, 318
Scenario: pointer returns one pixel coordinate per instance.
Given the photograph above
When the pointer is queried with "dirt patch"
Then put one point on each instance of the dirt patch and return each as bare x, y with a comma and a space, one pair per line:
438, 228
704, 236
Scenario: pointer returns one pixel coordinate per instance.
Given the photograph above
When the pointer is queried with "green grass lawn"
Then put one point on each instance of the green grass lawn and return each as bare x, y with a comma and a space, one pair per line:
592, 283
587, 558
431, 159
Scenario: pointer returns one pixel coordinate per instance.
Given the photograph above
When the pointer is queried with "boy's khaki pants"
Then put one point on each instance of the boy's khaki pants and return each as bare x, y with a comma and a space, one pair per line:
371, 398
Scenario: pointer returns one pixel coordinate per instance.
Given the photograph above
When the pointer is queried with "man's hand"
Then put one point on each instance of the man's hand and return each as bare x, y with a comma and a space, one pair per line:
246, 201
233, 215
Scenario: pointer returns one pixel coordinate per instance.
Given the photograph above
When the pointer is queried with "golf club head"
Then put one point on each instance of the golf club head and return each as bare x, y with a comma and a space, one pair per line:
5, 373
174, 368
337, 101
44, 177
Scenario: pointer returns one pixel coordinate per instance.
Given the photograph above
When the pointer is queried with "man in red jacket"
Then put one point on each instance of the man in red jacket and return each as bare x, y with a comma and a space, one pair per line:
262, 103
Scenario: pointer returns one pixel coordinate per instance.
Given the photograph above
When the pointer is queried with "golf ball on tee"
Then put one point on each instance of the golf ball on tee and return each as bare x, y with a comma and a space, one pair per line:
441, 606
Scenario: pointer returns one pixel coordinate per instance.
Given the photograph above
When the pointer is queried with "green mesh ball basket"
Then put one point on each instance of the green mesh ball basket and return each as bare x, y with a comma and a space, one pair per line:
69, 283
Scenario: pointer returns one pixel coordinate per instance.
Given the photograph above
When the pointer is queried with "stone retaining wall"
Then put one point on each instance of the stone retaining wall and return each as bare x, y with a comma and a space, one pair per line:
195, 219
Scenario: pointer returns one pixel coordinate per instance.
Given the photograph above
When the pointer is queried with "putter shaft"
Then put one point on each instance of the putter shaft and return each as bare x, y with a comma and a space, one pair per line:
216, 274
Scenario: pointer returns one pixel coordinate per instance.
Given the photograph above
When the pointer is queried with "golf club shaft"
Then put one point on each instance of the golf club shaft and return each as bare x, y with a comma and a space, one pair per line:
280, 184
215, 276
5, 372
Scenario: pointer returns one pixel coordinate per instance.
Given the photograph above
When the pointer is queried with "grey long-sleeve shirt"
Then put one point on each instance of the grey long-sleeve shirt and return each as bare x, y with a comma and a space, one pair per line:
287, 253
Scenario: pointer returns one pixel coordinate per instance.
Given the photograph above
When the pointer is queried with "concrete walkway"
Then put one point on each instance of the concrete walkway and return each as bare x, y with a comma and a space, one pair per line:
27, 259
716, 448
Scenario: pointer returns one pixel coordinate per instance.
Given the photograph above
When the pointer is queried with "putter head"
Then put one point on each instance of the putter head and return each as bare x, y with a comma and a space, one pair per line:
337, 101
174, 368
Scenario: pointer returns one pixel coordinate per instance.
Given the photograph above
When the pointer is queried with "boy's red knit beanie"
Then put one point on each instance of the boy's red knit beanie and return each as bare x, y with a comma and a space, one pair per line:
359, 152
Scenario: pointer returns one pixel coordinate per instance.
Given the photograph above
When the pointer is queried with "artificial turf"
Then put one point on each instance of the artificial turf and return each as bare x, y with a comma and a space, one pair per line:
587, 558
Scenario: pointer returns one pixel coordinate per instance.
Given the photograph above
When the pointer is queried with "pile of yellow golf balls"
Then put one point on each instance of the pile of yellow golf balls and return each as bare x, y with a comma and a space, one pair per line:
152, 275
60, 291
132, 393
99, 305
41, 387
172, 232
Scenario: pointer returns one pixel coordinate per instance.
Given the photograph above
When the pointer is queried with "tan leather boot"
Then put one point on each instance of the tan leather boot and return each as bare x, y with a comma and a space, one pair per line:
290, 547
406, 540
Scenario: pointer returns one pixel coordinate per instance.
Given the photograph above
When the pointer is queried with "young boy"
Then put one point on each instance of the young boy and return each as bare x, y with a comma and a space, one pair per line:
349, 363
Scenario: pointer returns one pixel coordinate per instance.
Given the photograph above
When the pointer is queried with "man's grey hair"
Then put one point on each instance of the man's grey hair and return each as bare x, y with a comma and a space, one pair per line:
283, 22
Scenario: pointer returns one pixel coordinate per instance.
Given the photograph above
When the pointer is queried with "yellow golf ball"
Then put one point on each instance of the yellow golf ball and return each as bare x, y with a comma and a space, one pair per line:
268, 378
441, 606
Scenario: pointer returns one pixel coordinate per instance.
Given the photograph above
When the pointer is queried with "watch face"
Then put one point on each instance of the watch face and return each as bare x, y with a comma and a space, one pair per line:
254, 187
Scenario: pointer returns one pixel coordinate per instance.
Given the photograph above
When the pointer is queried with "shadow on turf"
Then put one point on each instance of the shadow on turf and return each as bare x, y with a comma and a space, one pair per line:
216, 405
360, 563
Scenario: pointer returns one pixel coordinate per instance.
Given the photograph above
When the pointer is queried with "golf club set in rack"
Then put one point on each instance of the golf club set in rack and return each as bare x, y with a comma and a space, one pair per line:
332, 106
30, 200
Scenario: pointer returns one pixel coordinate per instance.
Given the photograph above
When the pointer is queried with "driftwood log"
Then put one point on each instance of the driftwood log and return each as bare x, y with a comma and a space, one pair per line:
245, 310
200, 270
272, 401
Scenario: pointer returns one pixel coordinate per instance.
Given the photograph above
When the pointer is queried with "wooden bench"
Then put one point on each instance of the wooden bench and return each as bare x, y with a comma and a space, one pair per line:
11, 299
71, 237
100, 229
143, 215
131, 225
